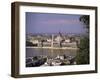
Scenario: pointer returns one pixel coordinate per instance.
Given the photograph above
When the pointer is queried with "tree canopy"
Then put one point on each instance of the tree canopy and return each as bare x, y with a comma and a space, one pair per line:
83, 52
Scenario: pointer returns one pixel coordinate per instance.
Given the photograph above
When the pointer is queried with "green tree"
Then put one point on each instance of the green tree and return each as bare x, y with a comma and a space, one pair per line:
83, 52
85, 20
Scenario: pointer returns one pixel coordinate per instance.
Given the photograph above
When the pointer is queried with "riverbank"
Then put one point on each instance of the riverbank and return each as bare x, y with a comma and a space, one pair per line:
37, 61
69, 48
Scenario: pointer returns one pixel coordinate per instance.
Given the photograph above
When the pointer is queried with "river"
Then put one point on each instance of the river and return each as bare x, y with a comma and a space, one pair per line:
52, 53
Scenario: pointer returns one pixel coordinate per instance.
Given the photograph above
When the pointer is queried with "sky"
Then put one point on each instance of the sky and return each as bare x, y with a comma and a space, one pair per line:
53, 23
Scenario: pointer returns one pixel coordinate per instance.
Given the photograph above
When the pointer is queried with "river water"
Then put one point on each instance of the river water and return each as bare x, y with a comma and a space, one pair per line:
30, 52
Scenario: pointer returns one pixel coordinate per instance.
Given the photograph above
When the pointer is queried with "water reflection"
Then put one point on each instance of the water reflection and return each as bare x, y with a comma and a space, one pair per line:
52, 53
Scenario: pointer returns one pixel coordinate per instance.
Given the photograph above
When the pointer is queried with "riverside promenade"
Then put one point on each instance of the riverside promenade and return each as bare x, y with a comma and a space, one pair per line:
71, 48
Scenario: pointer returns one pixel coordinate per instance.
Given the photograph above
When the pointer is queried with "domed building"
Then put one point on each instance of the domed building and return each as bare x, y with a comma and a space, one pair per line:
59, 38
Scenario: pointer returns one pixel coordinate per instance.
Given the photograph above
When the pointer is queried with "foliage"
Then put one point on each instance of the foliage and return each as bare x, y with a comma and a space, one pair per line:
83, 52
85, 20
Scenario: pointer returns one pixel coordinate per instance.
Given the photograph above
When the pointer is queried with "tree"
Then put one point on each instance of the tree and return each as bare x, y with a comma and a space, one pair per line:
83, 52
85, 20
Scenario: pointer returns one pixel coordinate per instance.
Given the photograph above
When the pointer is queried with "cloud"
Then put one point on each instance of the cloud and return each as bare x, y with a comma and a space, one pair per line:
60, 21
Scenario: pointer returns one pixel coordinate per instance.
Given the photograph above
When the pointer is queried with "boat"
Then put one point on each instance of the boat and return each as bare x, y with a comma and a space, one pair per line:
36, 61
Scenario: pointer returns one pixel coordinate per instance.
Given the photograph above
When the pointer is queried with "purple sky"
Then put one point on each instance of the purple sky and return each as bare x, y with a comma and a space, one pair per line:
53, 23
